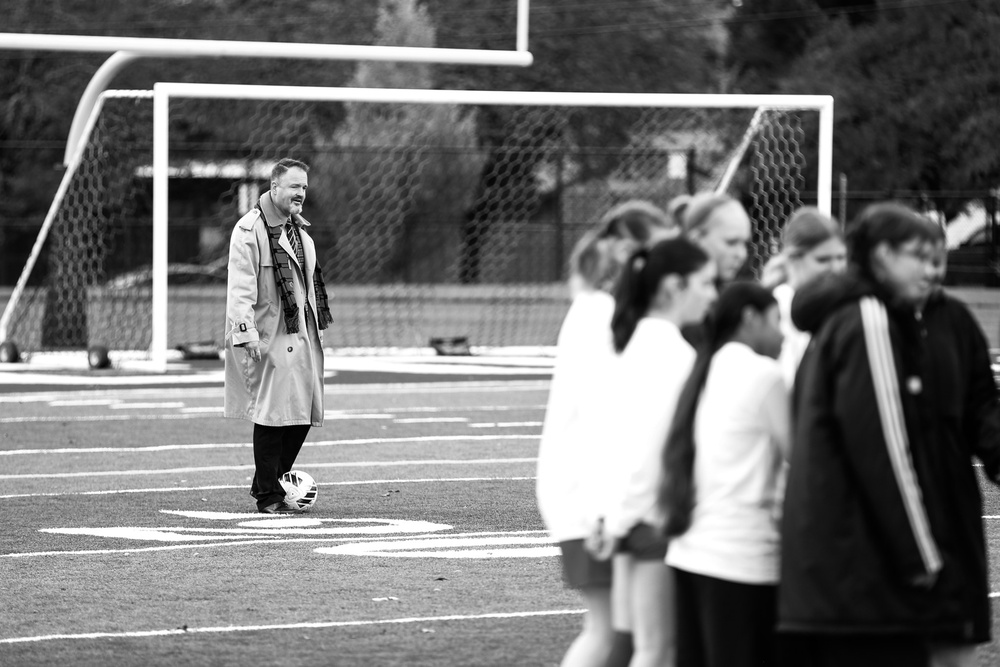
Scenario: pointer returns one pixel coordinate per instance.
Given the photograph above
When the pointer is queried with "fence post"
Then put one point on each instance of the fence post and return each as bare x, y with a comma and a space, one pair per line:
991, 211
560, 258
842, 213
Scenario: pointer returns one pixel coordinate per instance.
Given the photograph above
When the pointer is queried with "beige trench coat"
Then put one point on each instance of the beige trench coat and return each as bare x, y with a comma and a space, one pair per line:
285, 387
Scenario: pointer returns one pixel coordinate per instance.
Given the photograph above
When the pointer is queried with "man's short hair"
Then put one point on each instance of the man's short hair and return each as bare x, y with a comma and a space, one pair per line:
284, 164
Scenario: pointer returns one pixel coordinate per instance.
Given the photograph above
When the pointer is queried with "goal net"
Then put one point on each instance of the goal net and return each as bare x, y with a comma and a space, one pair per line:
436, 214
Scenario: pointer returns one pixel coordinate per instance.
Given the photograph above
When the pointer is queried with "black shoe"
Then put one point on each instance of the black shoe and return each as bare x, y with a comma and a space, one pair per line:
282, 507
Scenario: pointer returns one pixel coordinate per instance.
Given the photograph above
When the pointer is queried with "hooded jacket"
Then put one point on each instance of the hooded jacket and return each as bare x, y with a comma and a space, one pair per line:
882, 529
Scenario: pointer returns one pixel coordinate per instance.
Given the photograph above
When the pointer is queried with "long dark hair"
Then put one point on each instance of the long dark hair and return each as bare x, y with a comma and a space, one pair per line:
641, 279
676, 496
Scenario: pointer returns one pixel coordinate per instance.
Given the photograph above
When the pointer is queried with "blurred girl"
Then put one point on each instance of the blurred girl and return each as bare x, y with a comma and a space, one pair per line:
721, 226
583, 354
960, 384
811, 246
721, 490
883, 558
661, 289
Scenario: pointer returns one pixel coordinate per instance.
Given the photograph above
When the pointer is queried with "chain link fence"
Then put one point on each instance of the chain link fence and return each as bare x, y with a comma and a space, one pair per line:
430, 220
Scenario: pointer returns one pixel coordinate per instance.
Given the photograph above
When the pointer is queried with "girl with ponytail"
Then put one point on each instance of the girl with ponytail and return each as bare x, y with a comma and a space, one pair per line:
721, 485
661, 289
584, 355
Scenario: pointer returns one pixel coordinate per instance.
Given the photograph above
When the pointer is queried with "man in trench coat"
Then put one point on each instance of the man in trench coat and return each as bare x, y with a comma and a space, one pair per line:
276, 309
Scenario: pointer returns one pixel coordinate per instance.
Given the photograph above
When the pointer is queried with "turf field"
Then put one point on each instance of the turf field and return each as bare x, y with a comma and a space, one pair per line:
128, 537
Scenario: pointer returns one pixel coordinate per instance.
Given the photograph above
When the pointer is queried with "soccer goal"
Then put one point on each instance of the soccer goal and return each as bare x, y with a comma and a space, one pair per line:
436, 213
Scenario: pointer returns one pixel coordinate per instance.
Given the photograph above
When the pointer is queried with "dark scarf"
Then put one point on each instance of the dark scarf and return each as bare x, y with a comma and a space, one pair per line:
284, 280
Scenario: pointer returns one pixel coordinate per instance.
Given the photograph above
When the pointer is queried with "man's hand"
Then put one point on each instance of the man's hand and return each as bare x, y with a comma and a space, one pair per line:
252, 350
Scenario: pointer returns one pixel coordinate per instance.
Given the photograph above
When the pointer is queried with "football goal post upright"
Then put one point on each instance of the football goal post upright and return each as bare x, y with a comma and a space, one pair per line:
436, 213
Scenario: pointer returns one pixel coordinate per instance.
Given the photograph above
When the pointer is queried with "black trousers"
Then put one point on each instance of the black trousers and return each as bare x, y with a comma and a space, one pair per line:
723, 623
853, 651
274, 451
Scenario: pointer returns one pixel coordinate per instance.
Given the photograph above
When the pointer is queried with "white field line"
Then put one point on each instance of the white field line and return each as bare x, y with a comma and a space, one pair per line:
503, 424
83, 402
221, 487
245, 541
147, 406
106, 418
177, 471
340, 416
290, 626
471, 408
157, 393
216, 411
246, 445
432, 420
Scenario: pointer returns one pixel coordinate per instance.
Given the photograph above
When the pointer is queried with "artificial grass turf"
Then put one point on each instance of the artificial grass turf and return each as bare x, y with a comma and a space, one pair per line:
251, 584
205, 586
527, 642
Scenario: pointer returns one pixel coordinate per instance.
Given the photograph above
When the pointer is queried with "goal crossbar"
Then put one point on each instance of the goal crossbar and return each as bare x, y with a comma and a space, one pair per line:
165, 97
164, 91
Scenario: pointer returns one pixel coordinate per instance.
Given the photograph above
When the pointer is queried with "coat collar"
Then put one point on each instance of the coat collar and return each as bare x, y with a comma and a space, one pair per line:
274, 217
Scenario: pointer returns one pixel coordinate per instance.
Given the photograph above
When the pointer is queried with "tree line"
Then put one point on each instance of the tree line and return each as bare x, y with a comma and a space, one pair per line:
914, 80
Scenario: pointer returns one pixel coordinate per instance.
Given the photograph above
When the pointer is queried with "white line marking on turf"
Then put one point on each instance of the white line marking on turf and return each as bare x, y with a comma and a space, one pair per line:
432, 420
293, 626
431, 547
84, 402
420, 388
172, 547
145, 406
216, 411
260, 525
98, 418
247, 445
466, 408
227, 541
503, 424
340, 416
365, 482
346, 464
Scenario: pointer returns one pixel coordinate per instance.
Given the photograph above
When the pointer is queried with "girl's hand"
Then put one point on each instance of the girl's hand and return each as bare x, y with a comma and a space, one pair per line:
600, 545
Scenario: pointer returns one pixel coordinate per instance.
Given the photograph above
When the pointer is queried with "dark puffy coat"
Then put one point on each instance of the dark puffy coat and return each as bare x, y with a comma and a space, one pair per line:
889, 409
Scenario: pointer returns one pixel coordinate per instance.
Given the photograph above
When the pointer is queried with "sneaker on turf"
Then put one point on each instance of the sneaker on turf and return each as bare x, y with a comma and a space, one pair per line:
282, 507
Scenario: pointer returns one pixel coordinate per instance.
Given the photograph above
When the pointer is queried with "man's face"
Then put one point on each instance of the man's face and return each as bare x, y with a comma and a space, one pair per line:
288, 191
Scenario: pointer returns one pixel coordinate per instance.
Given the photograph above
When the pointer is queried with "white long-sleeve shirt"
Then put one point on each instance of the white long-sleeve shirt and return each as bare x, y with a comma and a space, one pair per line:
584, 355
639, 407
741, 435
796, 342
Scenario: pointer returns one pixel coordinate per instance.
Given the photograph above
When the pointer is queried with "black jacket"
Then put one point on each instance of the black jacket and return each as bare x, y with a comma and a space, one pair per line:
889, 409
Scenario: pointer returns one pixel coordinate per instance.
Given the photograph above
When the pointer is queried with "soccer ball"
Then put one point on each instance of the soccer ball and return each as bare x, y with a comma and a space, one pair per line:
300, 488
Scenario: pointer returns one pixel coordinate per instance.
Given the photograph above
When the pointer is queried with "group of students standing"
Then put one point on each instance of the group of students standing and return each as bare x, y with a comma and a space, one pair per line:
773, 472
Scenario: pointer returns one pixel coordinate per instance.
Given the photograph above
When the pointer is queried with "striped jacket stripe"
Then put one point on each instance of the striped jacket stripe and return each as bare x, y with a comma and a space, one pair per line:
875, 322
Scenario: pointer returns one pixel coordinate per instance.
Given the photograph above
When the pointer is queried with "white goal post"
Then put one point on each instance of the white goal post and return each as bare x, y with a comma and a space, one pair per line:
444, 211
164, 92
